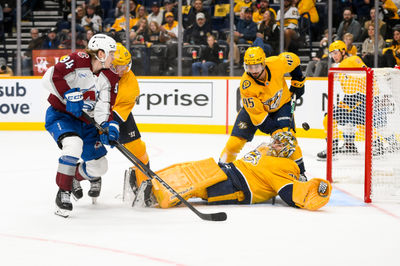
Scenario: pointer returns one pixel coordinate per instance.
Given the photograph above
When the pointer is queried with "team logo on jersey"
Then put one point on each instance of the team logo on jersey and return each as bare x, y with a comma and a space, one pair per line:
252, 157
97, 145
274, 101
246, 84
242, 125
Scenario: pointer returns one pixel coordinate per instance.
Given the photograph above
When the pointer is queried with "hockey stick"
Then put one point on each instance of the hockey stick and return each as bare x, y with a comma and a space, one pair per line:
305, 125
220, 216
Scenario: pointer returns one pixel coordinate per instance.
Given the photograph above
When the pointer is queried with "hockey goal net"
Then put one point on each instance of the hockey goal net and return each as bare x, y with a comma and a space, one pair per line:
363, 138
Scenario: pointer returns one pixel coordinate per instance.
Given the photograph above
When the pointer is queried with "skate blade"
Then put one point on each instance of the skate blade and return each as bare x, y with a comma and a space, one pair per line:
128, 194
74, 197
61, 212
94, 200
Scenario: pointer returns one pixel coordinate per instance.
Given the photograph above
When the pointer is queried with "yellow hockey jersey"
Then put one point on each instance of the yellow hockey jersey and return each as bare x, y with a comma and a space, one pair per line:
260, 98
352, 83
128, 91
266, 175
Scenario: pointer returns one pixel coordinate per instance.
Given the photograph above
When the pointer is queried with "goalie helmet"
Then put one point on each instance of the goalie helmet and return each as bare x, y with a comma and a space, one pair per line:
102, 42
337, 46
287, 142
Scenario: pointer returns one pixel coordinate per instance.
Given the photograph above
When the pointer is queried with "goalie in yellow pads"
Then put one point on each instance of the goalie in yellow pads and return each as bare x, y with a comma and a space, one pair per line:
259, 176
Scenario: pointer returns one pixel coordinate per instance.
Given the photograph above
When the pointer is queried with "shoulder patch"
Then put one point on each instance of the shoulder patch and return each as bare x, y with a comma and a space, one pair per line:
246, 84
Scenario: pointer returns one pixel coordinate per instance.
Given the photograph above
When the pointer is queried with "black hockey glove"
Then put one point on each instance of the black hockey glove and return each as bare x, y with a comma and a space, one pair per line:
298, 91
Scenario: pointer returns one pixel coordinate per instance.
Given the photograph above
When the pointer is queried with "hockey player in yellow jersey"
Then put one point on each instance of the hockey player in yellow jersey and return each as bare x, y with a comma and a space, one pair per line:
128, 91
259, 176
350, 111
129, 136
266, 100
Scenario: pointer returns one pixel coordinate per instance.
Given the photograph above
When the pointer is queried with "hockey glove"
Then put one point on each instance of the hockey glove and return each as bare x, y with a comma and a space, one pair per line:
74, 101
112, 128
297, 91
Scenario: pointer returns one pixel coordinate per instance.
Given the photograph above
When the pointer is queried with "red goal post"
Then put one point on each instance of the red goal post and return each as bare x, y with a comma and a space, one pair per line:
373, 90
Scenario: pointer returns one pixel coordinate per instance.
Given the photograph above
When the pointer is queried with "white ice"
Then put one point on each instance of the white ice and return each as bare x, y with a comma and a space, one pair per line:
345, 232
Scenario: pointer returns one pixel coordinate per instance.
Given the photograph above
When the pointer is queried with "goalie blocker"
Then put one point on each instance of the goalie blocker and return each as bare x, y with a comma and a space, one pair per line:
259, 176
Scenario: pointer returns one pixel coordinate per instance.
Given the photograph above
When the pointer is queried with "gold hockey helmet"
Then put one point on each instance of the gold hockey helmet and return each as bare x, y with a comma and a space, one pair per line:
337, 46
254, 58
122, 60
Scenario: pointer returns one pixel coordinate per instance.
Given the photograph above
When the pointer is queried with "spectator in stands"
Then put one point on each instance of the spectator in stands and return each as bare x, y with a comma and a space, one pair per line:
91, 21
362, 9
141, 13
80, 13
382, 25
156, 14
191, 17
246, 28
120, 22
89, 34
197, 33
318, 66
368, 47
5, 71
120, 8
209, 58
308, 16
259, 14
392, 54
349, 24
139, 33
98, 10
390, 16
169, 6
67, 41
290, 23
9, 15
169, 36
268, 34
51, 40
34, 44
240, 6
348, 40
154, 33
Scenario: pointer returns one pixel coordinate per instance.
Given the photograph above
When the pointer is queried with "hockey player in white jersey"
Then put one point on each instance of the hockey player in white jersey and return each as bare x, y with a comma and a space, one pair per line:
74, 89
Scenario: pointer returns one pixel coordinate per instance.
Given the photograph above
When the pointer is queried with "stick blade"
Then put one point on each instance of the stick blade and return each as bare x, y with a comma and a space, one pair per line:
220, 216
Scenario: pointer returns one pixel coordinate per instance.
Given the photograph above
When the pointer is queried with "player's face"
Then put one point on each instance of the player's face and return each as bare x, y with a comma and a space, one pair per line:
120, 69
255, 70
110, 58
337, 56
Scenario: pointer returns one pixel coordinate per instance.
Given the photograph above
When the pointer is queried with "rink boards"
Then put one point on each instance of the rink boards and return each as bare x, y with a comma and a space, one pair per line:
167, 104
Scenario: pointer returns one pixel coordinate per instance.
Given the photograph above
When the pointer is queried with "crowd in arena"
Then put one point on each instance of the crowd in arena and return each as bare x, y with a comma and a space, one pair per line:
153, 31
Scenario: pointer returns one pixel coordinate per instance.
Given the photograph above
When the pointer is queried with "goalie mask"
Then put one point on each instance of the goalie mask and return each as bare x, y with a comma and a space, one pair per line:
283, 145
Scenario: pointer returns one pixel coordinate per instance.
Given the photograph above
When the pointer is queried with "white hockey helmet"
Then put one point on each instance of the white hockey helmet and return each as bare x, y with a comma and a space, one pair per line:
102, 42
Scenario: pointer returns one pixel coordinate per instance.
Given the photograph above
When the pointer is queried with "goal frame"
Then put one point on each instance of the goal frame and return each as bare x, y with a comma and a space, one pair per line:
368, 125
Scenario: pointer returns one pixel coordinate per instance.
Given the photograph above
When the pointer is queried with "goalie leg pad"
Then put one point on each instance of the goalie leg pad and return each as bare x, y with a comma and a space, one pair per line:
311, 195
232, 149
189, 179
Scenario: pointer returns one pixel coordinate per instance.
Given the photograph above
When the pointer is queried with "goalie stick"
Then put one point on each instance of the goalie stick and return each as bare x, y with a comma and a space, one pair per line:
220, 216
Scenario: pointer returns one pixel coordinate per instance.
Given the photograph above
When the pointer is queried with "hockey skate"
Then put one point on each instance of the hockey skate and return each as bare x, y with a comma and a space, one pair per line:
77, 192
63, 203
348, 148
95, 188
130, 188
144, 195
321, 156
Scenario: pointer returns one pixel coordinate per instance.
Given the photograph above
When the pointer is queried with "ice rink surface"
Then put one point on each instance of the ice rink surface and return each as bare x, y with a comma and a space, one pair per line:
345, 232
